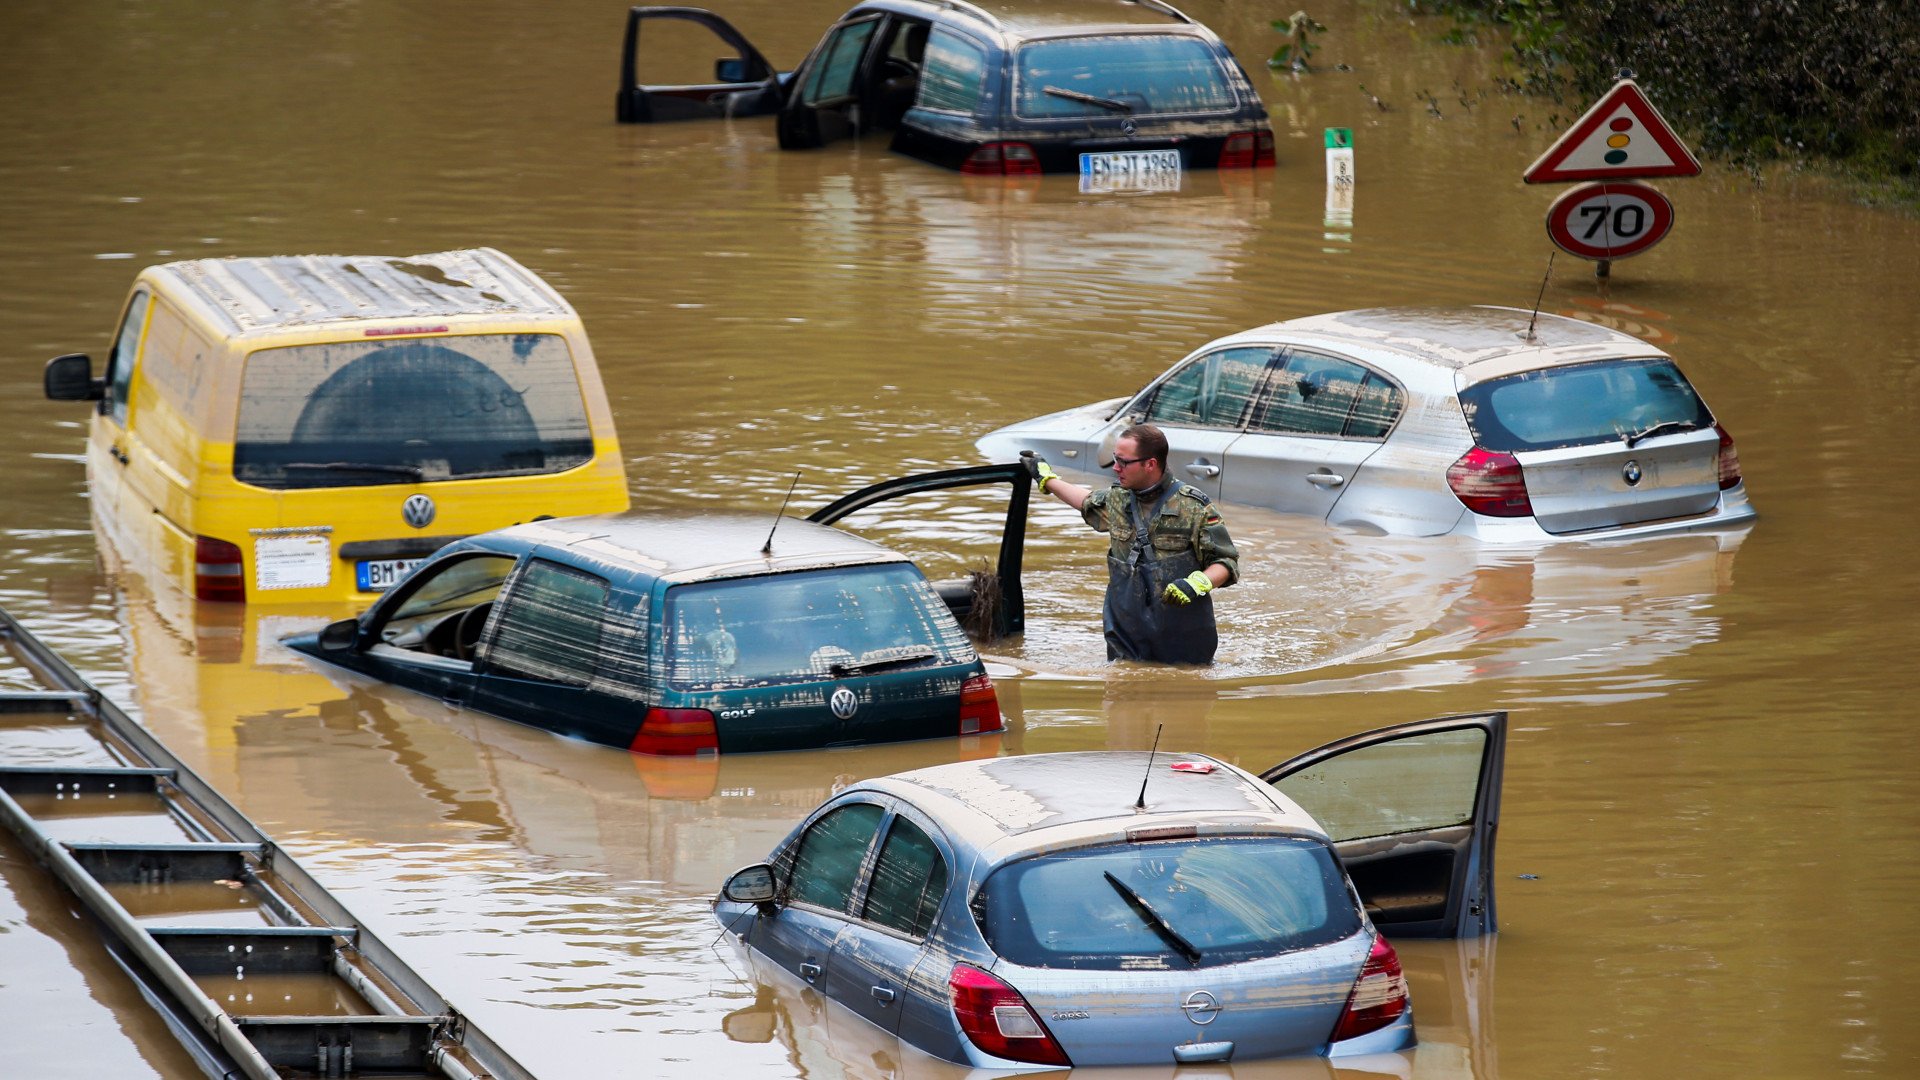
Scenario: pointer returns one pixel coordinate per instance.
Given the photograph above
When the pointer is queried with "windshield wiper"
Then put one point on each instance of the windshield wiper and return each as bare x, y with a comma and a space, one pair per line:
1153, 919
899, 659
414, 471
1662, 426
1111, 104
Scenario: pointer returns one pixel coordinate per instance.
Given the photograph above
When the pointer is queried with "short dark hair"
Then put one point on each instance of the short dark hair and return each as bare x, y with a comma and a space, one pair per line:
1151, 441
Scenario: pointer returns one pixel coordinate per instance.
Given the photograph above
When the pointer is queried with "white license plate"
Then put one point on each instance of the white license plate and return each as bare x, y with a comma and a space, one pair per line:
377, 575
1151, 169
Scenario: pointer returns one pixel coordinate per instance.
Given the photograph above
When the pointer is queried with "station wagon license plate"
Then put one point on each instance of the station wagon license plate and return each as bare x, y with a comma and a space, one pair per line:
378, 575
1153, 170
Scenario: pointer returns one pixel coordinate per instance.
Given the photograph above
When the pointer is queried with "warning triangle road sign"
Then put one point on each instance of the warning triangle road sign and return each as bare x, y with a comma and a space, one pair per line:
1621, 136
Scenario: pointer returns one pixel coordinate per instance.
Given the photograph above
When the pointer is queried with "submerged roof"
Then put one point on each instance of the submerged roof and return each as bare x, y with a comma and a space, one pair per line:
699, 545
1458, 338
1038, 15
286, 291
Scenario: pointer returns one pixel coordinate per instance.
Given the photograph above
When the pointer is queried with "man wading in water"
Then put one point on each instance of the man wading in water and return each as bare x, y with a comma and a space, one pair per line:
1167, 550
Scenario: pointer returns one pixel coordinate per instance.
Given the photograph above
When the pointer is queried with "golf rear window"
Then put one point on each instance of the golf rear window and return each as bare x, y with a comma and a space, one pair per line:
1582, 404
1121, 74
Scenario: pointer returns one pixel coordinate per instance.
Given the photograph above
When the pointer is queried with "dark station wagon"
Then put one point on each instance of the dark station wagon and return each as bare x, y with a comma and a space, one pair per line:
1121, 92
698, 632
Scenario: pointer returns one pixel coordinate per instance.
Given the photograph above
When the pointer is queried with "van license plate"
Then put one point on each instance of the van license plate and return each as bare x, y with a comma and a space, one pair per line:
1141, 167
378, 575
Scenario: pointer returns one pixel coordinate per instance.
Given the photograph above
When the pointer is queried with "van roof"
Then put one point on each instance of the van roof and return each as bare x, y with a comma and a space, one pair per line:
276, 292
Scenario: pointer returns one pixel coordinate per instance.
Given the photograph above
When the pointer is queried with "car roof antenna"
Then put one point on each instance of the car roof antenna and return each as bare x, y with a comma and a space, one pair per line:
767, 548
1535, 317
1141, 802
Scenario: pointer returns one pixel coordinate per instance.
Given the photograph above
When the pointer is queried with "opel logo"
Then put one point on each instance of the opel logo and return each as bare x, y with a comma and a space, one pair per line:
1630, 472
418, 511
1128, 127
1201, 1007
843, 703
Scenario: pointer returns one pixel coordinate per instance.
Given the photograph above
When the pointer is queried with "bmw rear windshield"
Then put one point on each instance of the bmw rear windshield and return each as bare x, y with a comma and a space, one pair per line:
1583, 404
1119, 75
1167, 904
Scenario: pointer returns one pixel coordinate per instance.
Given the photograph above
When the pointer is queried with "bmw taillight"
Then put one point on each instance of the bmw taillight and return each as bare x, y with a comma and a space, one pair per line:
999, 1021
979, 706
219, 572
1490, 482
1379, 995
1729, 460
679, 732
1002, 159
1247, 149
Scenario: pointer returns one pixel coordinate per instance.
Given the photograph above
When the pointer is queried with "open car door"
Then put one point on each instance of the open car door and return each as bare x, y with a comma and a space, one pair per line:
744, 83
989, 610
1413, 811
830, 86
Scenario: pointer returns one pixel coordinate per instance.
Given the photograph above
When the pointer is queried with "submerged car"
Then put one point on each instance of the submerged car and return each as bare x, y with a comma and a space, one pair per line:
1488, 422
696, 633
1124, 908
1111, 89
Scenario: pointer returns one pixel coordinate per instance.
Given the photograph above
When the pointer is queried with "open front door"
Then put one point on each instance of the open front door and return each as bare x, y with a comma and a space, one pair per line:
1413, 811
744, 83
829, 88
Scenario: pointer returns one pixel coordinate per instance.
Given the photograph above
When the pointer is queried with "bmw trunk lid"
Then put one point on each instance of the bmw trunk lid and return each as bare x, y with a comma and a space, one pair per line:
1604, 485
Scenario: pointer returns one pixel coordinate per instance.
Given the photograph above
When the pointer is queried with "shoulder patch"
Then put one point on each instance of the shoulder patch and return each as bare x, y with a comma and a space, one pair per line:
1195, 494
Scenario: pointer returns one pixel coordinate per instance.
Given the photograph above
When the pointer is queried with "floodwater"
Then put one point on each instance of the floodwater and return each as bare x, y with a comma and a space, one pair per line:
1711, 798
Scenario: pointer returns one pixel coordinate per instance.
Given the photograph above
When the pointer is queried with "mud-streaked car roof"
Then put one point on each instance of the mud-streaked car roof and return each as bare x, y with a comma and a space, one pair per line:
684, 546
1478, 343
1008, 806
1023, 19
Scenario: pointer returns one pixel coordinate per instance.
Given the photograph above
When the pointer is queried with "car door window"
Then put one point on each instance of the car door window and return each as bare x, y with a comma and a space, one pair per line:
909, 880
440, 596
120, 361
953, 73
828, 860
833, 73
1212, 390
1312, 395
1375, 408
1425, 781
550, 625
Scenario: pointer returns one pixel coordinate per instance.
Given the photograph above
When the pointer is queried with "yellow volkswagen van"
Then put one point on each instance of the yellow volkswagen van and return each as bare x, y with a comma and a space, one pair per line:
306, 428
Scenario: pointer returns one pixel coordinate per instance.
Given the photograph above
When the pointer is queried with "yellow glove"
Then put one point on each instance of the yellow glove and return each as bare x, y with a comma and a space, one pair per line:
1189, 588
1037, 465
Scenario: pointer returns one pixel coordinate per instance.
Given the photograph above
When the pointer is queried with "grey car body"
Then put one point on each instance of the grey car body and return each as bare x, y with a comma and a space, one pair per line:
1487, 422
895, 891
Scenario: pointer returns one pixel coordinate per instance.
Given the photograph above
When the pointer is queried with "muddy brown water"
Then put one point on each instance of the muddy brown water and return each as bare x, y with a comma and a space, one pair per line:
1710, 803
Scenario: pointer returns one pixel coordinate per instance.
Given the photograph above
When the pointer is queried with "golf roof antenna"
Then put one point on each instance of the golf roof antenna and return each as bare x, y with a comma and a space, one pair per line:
1141, 802
767, 548
1535, 317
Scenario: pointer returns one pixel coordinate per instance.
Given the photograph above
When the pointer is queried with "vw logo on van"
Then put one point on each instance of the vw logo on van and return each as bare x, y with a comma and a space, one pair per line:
843, 703
418, 511
1630, 472
1201, 1007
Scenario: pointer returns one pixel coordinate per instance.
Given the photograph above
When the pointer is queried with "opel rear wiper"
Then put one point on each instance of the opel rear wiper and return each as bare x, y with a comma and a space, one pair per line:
1112, 104
414, 471
1662, 426
899, 659
1153, 919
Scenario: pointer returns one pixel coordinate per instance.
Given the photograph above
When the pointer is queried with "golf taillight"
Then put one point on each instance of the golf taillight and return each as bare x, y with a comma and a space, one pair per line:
1490, 482
679, 732
979, 706
1729, 460
219, 572
1379, 995
1002, 159
1247, 149
999, 1021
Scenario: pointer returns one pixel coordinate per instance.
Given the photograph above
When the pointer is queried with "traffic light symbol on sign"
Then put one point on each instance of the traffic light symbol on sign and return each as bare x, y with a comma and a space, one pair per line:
1622, 136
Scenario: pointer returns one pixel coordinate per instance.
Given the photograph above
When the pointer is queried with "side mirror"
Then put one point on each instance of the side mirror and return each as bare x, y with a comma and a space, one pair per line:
340, 636
70, 378
751, 885
730, 69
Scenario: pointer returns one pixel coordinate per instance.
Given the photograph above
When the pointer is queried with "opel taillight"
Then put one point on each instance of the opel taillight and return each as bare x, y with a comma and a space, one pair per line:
218, 570
680, 732
1247, 149
1729, 460
1490, 482
1379, 995
1002, 159
979, 706
999, 1021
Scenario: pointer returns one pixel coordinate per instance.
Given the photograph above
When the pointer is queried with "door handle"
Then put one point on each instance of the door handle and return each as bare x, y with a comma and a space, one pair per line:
1201, 468
1325, 479
809, 972
883, 995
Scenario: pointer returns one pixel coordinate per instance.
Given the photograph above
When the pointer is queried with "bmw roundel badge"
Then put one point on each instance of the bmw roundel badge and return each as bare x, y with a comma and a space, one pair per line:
843, 703
1630, 472
418, 511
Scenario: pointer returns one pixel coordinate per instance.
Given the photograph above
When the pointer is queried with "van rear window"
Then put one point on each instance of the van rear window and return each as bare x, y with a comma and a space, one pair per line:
1582, 404
358, 413
1128, 74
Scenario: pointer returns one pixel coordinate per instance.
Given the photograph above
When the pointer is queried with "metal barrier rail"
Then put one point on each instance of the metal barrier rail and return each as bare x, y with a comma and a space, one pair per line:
385, 1017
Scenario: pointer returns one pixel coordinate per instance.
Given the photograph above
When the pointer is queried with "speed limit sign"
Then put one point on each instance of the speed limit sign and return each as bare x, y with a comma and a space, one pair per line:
1609, 220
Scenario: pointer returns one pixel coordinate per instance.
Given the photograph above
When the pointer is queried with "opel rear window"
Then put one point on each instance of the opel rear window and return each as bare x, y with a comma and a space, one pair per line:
1128, 74
1167, 904
1581, 404
808, 626
368, 412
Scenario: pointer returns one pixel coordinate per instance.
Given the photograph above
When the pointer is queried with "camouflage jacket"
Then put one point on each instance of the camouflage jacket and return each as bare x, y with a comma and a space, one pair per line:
1187, 525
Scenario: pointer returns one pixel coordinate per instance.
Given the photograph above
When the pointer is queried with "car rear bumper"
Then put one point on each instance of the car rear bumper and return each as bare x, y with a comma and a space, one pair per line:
1732, 511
